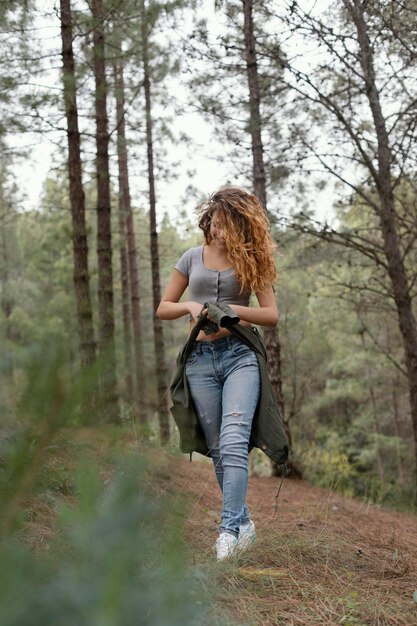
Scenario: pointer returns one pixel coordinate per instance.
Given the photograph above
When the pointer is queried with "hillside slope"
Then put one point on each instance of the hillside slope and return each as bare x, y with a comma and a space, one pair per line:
321, 559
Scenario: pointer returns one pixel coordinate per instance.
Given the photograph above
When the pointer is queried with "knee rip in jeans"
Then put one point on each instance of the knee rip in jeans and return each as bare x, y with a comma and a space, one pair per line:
237, 414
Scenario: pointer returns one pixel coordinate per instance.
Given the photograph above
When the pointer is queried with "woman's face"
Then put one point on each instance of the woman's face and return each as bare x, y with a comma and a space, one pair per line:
216, 229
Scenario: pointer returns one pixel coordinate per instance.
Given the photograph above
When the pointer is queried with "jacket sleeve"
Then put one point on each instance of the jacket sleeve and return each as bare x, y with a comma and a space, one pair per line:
221, 314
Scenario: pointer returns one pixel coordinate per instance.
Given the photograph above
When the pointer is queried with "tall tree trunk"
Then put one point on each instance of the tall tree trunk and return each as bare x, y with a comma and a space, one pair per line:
272, 342
124, 270
161, 368
81, 273
395, 386
387, 215
132, 256
6, 300
104, 239
124, 276
375, 425
255, 123
397, 430
135, 290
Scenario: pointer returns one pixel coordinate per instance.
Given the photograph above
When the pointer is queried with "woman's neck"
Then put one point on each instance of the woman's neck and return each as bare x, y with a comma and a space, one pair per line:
215, 256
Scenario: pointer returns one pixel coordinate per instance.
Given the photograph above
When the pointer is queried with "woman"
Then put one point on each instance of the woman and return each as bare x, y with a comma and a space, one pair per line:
237, 258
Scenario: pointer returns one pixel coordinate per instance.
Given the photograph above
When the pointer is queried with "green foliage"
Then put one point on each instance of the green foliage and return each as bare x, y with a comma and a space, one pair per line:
116, 553
41, 284
345, 398
116, 558
47, 398
328, 466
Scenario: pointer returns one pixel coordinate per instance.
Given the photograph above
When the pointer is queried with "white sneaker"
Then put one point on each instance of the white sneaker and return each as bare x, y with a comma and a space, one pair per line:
225, 545
247, 536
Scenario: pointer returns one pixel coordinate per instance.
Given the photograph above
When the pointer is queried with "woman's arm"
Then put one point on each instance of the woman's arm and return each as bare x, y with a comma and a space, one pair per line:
170, 308
264, 315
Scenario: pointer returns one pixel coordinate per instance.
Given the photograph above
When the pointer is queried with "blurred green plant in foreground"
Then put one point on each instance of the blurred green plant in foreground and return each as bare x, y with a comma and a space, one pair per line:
116, 553
116, 559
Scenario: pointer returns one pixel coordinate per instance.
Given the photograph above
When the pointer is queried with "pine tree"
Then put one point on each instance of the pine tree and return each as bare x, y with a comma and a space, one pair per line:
161, 368
79, 229
104, 234
8, 245
124, 269
127, 234
259, 181
354, 91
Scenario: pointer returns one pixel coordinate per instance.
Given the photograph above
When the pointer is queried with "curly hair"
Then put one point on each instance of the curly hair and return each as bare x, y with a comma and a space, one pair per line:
248, 242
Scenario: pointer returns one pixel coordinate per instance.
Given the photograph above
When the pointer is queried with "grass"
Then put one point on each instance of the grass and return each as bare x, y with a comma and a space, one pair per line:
302, 579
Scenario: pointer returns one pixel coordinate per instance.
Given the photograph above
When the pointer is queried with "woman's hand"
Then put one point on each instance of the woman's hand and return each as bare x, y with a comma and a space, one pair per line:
170, 308
194, 308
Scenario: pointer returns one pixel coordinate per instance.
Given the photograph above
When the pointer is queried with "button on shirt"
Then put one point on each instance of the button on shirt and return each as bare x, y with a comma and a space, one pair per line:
210, 285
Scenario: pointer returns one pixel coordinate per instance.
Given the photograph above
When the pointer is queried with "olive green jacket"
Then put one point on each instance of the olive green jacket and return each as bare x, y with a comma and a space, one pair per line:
268, 432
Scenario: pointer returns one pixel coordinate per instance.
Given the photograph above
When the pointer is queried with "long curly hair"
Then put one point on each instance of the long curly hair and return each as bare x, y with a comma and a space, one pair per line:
245, 227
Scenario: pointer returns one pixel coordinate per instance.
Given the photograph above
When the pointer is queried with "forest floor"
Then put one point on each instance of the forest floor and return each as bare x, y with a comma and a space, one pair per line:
320, 559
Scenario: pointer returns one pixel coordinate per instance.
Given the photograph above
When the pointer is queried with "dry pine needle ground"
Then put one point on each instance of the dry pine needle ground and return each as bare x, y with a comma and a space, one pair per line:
322, 559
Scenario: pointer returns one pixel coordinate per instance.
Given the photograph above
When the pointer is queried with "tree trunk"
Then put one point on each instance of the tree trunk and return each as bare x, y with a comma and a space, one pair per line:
135, 290
375, 425
397, 430
387, 215
395, 385
124, 271
81, 273
6, 300
104, 241
259, 183
255, 123
127, 335
132, 256
161, 368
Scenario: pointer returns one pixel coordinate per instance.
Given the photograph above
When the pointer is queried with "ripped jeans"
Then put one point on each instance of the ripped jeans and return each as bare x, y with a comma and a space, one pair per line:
224, 381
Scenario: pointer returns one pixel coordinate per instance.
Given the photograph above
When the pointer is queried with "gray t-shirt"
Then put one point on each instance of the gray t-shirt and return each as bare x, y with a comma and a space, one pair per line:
206, 285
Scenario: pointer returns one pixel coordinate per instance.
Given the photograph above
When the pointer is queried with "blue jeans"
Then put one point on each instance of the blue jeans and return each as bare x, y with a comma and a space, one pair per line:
224, 381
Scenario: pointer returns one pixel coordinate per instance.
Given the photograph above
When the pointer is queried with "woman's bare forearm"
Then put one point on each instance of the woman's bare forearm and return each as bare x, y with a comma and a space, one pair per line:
172, 310
264, 316
169, 310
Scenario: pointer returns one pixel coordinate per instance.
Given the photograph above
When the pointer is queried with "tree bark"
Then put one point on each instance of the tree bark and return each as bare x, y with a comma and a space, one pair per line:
375, 425
104, 238
6, 299
81, 275
135, 290
272, 342
395, 386
397, 430
124, 270
161, 368
132, 257
255, 123
387, 214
